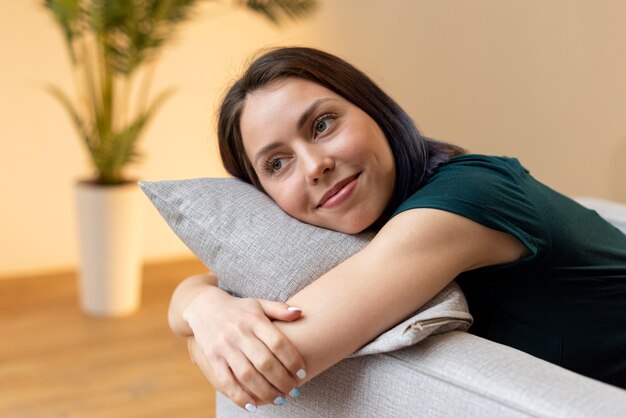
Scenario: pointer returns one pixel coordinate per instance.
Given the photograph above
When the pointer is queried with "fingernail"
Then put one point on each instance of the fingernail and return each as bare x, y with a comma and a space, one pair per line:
280, 401
294, 393
250, 407
301, 373
293, 308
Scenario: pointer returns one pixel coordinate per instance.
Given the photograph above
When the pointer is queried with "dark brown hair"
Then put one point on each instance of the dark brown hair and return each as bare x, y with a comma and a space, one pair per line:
416, 157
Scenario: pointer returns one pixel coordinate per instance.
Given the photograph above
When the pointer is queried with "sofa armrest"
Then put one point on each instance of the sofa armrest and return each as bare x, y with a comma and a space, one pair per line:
452, 374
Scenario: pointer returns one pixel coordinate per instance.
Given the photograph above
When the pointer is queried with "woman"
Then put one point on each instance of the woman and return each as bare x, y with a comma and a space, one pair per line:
540, 272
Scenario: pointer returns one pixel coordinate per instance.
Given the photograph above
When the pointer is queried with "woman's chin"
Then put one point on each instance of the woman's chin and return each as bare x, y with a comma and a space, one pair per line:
351, 228
341, 223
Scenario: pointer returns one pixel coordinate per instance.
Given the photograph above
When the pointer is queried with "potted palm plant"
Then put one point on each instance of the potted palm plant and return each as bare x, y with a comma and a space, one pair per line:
113, 46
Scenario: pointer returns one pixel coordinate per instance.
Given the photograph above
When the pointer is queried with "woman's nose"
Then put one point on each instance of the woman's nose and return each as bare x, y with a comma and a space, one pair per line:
316, 165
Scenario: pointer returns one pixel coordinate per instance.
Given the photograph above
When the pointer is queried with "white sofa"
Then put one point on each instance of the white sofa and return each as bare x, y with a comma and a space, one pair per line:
454, 374
240, 234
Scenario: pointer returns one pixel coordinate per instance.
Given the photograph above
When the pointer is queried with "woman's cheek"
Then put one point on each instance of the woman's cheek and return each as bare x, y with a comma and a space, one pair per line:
291, 200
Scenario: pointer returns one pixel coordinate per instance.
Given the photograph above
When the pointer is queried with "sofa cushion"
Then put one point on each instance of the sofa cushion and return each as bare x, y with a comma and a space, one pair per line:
257, 250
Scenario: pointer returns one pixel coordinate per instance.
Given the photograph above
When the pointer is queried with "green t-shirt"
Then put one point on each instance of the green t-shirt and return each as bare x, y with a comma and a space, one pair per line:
566, 301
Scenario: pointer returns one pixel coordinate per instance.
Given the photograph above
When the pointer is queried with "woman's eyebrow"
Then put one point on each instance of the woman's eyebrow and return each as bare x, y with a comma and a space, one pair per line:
311, 109
267, 148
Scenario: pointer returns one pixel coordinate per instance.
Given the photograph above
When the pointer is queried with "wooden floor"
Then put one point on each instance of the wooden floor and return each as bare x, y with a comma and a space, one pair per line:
57, 362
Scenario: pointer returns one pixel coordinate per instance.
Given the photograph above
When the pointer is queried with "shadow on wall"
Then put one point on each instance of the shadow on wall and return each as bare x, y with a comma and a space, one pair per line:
617, 172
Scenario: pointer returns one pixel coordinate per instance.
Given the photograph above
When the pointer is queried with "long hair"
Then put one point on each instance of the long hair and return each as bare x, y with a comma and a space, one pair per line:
416, 157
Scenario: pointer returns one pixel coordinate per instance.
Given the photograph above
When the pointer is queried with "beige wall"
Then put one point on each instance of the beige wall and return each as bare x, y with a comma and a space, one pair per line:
541, 80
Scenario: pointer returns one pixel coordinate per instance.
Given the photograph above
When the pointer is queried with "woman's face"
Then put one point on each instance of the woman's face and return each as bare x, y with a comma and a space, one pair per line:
319, 157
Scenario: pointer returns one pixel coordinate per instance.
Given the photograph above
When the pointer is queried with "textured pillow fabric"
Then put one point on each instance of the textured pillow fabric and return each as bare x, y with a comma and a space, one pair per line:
257, 250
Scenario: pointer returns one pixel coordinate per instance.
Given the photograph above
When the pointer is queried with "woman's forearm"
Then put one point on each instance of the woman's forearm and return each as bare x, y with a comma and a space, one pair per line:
183, 295
409, 261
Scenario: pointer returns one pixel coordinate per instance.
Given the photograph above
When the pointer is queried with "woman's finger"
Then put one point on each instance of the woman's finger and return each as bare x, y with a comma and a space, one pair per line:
222, 378
255, 383
284, 350
267, 367
280, 311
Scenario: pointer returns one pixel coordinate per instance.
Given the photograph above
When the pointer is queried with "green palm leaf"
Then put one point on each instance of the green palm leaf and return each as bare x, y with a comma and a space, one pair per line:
83, 131
120, 148
109, 43
278, 11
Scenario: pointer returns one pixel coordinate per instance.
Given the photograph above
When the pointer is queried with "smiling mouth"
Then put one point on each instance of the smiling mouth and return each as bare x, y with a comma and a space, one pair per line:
336, 193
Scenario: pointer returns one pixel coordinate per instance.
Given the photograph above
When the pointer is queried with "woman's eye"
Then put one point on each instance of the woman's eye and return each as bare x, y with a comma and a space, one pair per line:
273, 165
323, 123
321, 127
276, 165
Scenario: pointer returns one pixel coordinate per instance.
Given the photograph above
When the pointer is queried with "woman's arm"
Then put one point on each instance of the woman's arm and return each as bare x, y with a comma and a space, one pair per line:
410, 260
233, 341
184, 294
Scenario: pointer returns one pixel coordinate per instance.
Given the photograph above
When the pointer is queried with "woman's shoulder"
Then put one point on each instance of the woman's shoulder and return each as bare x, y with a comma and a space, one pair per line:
473, 176
495, 192
483, 163
476, 183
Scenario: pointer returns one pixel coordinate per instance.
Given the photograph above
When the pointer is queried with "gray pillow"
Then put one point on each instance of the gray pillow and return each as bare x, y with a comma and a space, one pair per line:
257, 250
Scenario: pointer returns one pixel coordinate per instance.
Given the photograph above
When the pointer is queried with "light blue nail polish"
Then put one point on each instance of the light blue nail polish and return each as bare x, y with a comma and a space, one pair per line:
280, 401
250, 407
301, 373
294, 393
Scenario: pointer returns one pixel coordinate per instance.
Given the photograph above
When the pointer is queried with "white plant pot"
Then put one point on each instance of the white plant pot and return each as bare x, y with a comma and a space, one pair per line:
110, 233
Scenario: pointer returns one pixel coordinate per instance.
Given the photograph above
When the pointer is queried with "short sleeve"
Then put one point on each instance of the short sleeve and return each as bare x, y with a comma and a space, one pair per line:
496, 192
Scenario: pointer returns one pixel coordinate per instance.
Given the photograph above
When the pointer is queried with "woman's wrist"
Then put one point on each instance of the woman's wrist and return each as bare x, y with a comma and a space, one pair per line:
186, 292
204, 296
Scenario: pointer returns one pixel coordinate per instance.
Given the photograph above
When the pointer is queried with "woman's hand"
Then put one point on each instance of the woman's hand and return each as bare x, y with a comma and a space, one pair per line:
240, 351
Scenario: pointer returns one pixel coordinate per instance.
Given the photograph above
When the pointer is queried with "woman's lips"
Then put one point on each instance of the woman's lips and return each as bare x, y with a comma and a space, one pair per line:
338, 193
